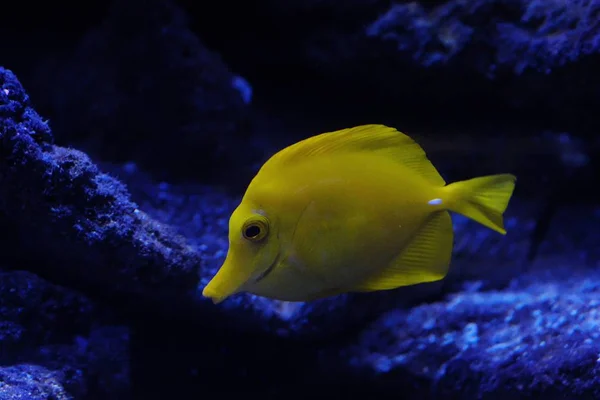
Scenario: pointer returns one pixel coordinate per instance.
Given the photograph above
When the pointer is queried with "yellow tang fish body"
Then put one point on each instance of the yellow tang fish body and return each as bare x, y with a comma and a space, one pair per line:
355, 210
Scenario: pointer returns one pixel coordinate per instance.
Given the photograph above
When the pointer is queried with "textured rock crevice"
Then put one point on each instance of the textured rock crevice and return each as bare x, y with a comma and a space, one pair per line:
78, 222
57, 344
537, 338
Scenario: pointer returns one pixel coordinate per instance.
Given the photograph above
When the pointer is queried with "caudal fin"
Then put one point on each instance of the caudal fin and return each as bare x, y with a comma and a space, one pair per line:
483, 199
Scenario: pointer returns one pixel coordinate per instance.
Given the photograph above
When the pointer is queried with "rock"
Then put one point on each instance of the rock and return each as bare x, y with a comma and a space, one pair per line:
33, 311
57, 344
537, 338
528, 35
32, 382
143, 87
517, 62
77, 225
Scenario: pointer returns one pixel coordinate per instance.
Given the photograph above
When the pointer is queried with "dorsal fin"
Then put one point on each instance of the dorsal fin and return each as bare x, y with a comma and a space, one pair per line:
382, 139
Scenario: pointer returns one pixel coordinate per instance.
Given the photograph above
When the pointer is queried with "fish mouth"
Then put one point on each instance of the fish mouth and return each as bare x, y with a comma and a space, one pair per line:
228, 281
212, 294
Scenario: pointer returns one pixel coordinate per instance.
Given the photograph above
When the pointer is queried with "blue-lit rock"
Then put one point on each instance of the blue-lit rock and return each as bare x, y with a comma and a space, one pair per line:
521, 34
537, 338
77, 225
54, 343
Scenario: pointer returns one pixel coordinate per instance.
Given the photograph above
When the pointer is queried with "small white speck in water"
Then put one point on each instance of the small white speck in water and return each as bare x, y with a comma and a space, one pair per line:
435, 202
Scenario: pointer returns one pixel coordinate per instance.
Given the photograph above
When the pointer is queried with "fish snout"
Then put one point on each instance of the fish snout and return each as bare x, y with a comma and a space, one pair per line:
212, 294
228, 280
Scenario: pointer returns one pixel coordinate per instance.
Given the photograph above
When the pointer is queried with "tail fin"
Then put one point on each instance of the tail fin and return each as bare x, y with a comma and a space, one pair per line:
483, 199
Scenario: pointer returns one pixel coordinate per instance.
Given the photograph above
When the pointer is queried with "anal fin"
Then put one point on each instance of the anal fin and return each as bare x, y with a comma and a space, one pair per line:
425, 259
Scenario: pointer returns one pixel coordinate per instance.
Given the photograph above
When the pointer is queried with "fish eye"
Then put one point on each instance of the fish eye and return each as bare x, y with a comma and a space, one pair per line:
255, 230
252, 231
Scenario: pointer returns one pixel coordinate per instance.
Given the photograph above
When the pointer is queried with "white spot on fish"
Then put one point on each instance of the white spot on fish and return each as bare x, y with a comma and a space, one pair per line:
435, 202
6, 92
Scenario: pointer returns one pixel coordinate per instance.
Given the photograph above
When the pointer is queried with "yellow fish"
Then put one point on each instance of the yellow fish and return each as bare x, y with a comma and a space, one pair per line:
355, 210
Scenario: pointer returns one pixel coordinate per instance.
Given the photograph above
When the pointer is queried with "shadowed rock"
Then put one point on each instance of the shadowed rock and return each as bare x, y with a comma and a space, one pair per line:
538, 338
